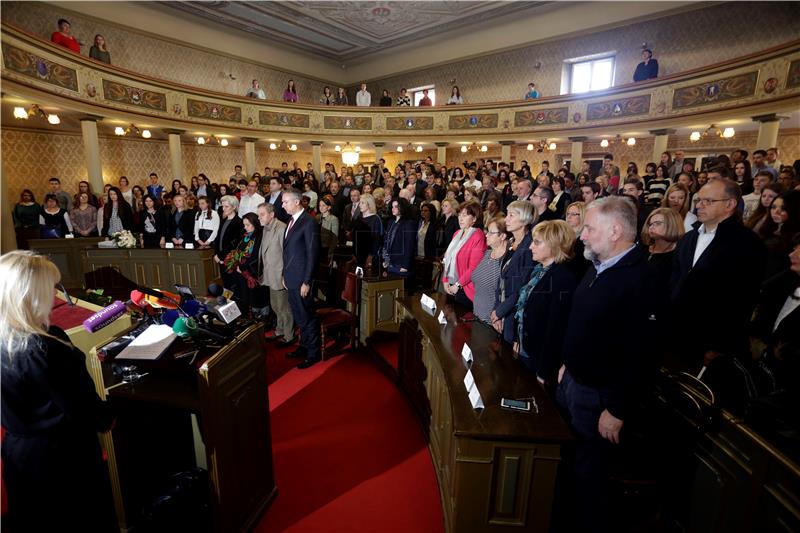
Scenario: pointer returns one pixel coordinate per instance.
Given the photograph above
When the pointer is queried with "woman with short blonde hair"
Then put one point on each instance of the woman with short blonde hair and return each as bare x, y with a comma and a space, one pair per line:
51, 412
558, 236
672, 199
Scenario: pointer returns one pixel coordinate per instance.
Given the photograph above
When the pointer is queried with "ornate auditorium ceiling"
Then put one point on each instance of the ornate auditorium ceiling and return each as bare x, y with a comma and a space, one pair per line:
343, 31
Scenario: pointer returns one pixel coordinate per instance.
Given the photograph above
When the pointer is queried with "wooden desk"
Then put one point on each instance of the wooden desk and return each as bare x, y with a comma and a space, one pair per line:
378, 295
496, 468
66, 254
223, 398
151, 267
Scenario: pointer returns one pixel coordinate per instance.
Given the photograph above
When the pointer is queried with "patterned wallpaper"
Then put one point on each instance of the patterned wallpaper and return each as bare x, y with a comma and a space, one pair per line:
679, 42
159, 58
30, 158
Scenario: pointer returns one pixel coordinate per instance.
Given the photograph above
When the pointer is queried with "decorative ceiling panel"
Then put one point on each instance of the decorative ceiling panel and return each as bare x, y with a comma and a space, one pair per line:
343, 31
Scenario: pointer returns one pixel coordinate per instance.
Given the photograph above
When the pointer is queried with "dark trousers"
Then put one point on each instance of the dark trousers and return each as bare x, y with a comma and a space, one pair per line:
586, 478
307, 321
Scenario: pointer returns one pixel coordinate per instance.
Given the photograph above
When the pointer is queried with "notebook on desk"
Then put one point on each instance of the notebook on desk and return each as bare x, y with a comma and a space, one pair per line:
150, 344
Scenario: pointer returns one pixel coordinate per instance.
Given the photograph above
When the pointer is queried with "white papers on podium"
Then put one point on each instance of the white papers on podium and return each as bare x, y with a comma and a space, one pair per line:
169, 245
188, 246
442, 319
427, 302
472, 391
466, 353
150, 344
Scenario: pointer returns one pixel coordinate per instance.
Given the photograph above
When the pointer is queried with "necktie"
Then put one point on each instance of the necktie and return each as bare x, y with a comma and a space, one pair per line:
291, 223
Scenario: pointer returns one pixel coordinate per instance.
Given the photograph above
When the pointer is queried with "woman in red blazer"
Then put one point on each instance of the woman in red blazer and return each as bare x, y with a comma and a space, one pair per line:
463, 254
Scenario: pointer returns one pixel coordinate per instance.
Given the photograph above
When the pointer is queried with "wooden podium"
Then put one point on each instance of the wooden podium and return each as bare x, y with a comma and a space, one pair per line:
212, 413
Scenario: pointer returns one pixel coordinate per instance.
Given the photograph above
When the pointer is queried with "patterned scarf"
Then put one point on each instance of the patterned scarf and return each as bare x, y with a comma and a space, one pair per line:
241, 254
538, 273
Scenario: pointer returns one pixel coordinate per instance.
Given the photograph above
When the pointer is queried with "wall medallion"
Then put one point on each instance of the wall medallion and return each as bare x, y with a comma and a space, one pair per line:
770, 85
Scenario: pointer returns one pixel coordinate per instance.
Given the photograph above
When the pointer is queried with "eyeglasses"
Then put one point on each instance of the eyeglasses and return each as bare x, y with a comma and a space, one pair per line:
704, 201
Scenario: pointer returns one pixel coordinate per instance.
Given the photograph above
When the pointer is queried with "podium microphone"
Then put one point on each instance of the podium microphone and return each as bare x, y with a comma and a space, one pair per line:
187, 327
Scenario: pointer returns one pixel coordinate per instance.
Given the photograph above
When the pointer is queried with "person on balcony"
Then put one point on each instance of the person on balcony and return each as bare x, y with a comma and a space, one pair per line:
327, 97
403, 100
99, 51
255, 91
341, 97
63, 37
648, 68
363, 98
532, 93
455, 97
290, 94
425, 101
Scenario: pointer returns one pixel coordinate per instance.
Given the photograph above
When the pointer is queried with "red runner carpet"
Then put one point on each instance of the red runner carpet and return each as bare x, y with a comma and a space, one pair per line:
349, 455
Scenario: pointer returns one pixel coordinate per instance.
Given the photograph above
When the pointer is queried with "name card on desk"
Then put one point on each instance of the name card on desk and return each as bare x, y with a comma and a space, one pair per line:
475, 398
427, 302
169, 246
69, 236
466, 353
188, 246
442, 319
469, 380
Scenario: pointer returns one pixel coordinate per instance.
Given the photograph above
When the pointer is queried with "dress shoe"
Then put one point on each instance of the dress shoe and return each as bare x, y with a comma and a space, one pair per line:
307, 363
297, 354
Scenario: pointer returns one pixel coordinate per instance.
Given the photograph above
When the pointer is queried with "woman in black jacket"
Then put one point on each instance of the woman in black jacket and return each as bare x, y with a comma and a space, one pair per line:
52, 461
426, 232
401, 240
153, 223
117, 213
230, 232
181, 222
242, 262
544, 303
447, 225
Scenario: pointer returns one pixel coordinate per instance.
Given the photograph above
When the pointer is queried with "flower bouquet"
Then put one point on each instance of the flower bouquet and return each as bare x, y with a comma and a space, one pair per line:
125, 239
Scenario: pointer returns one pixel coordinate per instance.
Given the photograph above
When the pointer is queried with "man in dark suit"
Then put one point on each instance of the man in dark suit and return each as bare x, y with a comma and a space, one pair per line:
351, 214
339, 200
275, 199
300, 252
716, 277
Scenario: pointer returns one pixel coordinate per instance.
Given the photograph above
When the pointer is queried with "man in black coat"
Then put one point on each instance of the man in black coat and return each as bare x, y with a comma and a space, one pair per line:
716, 277
602, 369
275, 199
300, 253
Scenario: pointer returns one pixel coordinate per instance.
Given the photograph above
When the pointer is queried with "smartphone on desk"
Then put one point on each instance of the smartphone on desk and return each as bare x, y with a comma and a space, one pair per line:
515, 405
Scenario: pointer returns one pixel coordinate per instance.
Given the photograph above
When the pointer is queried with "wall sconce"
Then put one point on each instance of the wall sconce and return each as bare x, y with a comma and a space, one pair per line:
419, 148
464, 149
552, 146
727, 133
201, 140
631, 141
399, 149
336, 148
604, 143
120, 131
530, 147
285, 147
23, 114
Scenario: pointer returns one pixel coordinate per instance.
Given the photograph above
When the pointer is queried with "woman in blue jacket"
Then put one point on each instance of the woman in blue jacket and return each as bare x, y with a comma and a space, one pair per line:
401, 239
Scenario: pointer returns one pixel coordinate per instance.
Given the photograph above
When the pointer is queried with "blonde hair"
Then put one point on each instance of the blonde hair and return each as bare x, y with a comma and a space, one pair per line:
677, 187
27, 289
523, 210
558, 236
673, 225
581, 207
370, 202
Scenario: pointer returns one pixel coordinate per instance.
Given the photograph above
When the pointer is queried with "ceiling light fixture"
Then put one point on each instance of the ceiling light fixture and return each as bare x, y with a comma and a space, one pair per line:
727, 133
631, 141
349, 155
23, 114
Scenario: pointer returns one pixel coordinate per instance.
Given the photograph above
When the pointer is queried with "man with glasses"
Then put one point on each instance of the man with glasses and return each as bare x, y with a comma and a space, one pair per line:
715, 282
540, 199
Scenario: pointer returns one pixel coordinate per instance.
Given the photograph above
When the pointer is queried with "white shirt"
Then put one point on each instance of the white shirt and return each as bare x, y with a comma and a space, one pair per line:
203, 222
363, 98
473, 183
291, 224
792, 303
704, 239
256, 93
248, 204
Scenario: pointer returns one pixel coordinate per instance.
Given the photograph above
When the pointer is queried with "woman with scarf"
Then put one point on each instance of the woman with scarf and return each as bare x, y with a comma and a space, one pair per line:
463, 255
242, 262
544, 303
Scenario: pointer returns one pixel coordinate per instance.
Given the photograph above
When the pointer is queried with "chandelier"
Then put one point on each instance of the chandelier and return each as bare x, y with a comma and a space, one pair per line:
727, 133
21, 113
350, 155
120, 131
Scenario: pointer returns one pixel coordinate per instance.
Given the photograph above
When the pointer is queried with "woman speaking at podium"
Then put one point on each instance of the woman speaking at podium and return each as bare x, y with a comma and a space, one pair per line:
52, 463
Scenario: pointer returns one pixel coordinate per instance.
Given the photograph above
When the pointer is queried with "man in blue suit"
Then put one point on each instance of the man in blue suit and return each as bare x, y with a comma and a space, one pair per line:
300, 252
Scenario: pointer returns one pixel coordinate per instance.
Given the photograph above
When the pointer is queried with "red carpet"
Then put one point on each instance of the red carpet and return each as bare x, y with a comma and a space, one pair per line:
349, 456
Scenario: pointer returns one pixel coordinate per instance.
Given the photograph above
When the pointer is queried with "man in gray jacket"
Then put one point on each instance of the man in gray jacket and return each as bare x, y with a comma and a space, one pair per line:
271, 257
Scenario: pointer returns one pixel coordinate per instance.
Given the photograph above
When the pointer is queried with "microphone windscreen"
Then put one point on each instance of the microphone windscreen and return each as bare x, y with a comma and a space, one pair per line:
185, 327
138, 298
215, 290
192, 307
169, 317
104, 317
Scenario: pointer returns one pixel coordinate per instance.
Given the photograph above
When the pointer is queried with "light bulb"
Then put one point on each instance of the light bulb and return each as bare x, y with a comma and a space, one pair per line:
464, 149
293, 148
632, 141
272, 146
119, 131
418, 148
337, 148
201, 140
695, 136
223, 142
400, 149
19, 112
358, 149
484, 148
146, 134
604, 143
530, 147
728, 133
53, 119
552, 146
